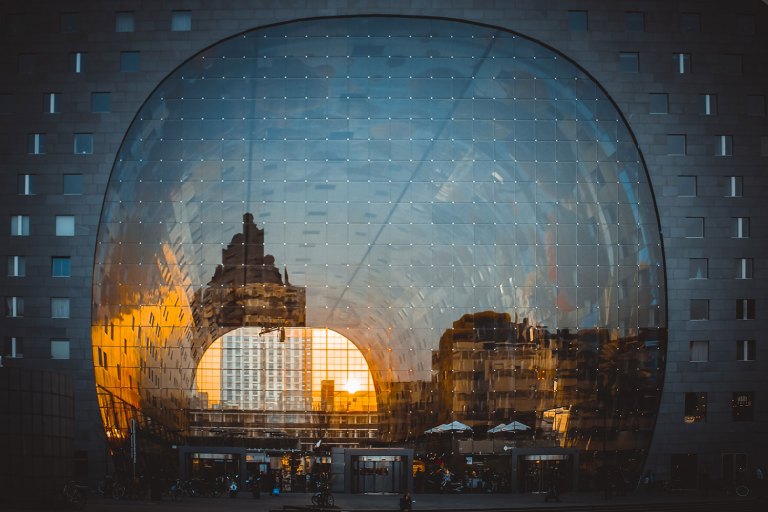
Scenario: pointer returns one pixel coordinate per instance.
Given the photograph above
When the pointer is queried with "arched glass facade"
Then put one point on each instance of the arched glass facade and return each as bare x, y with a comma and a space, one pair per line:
464, 204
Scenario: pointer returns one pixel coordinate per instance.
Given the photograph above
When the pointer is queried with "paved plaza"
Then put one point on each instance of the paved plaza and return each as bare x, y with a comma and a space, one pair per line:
582, 502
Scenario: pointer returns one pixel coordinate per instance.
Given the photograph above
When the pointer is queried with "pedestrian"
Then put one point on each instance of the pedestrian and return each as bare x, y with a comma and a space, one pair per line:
406, 503
553, 492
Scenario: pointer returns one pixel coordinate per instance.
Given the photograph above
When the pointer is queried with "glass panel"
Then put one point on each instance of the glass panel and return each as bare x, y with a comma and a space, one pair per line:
59, 349
65, 225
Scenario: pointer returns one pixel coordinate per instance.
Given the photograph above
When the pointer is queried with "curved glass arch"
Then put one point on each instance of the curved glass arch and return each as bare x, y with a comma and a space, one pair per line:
428, 188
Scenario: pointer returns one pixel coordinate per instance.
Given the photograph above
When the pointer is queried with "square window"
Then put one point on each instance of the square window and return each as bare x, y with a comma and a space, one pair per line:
686, 186
723, 145
76, 62
708, 104
682, 62
695, 408
129, 62
658, 103
60, 349
73, 184
83, 144
699, 351
734, 186
742, 406
124, 22
65, 225
676, 144
740, 227
629, 62
17, 266
101, 102
693, 227
744, 268
690, 22
14, 307
698, 268
746, 350
36, 143
699, 309
13, 346
68, 21
60, 307
745, 309
52, 103
25, 184
181, 21
756, 105
19, 225
61, 266
578, 21
634, 21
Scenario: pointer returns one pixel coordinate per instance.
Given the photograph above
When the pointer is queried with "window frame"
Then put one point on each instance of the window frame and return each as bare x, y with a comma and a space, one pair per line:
60, 348
17, 266
61, 266
61, 307
746, 350
698, 351
65, 225
20, 225
695, 407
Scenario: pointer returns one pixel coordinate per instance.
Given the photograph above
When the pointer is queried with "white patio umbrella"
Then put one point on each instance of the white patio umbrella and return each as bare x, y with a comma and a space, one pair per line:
515, 426
496, 429
454, 426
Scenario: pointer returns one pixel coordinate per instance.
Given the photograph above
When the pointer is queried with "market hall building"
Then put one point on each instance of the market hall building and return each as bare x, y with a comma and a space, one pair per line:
300, 227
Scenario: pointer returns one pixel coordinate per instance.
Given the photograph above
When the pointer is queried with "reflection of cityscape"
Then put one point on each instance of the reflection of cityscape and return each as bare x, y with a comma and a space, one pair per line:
573, 390
277, 384
302, 385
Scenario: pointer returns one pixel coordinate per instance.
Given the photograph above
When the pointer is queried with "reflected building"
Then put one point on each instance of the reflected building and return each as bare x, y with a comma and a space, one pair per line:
572, 390
487, 215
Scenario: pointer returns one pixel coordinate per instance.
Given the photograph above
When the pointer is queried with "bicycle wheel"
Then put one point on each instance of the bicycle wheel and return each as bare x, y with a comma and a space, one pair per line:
742, 490
316, 499
329, 500
78, 499
118, 491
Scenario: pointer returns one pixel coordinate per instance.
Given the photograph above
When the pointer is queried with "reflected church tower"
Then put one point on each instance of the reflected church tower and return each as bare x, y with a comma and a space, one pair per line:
247, 289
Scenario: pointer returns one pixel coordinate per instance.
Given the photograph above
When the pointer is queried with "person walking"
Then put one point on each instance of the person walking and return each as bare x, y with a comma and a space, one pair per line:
406, 503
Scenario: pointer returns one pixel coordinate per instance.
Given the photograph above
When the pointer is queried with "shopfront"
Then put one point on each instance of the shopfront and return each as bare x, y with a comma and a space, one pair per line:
536, 470
372, 471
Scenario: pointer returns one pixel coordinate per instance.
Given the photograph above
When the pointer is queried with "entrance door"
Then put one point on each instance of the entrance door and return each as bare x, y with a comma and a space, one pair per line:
380, 474
734, 468
684, 473
538, 472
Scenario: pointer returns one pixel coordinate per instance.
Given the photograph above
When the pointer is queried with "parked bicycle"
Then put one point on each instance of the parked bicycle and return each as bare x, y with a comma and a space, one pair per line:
74, 496
323, 498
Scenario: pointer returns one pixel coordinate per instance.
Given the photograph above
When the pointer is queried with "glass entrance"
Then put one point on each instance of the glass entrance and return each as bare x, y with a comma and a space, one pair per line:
538, 472
380, 474
734, 468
